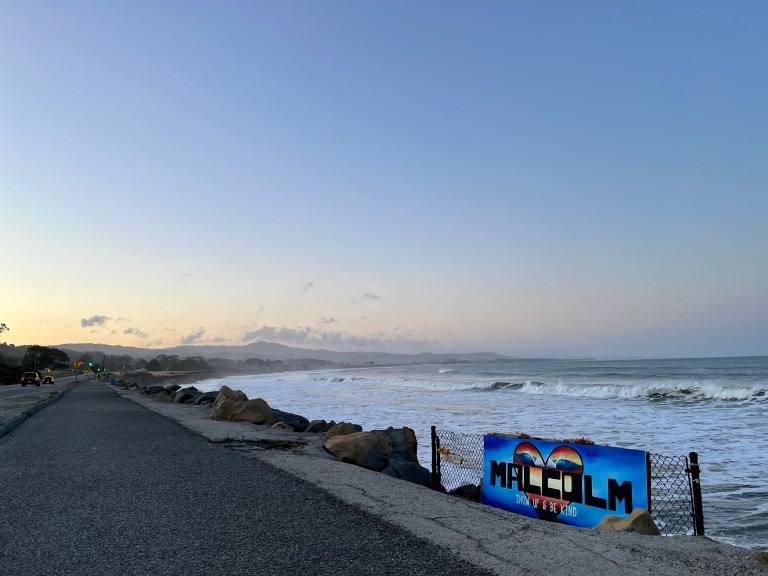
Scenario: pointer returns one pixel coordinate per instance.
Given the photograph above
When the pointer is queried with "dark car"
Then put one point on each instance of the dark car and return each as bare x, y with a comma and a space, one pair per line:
48, 380
31, 378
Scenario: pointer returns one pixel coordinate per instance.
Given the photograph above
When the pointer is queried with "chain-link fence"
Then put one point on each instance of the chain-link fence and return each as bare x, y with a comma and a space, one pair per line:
457, 468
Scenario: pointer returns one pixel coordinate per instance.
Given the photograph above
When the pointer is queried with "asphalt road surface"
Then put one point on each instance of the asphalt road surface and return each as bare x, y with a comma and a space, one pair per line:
96, 484
11, 390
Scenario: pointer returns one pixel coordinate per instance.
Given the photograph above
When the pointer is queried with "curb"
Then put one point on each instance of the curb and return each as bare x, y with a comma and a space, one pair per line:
17, 421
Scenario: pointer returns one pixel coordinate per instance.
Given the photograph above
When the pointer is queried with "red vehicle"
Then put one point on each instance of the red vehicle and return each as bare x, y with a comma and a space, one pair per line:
31, 378
48, 380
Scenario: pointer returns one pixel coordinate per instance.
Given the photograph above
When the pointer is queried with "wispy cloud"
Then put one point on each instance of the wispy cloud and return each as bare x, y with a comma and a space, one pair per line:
326, 338
135, 332
324, 320
97, 320
194, 337
309, 286
64, 250
368, 296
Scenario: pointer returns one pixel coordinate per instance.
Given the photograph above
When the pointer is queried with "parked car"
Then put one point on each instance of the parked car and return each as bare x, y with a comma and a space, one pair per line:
48, 380
30, 378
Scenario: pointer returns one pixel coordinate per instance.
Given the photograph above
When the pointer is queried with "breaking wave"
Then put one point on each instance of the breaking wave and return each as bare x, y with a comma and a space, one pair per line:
674, 392
638, 390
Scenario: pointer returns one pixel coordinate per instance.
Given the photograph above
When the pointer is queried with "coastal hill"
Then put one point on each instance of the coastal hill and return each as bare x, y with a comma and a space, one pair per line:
273, 351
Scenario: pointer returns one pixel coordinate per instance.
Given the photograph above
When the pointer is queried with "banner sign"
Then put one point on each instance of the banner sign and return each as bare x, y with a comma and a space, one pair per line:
574, 484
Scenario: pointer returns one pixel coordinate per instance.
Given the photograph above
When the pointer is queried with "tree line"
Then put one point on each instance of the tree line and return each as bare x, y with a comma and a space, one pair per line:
15, 360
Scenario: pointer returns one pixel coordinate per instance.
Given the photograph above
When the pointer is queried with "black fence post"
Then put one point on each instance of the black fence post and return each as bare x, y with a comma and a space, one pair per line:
698, 509
648, 482
436, 480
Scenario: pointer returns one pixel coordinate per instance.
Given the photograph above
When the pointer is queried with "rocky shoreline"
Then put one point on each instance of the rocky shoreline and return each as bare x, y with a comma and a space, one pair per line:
497, 540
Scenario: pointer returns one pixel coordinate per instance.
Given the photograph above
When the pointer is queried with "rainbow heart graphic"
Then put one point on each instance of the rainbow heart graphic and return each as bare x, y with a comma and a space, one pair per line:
562, 458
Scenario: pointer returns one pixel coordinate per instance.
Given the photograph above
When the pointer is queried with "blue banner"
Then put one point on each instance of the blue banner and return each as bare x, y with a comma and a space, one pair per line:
574, 484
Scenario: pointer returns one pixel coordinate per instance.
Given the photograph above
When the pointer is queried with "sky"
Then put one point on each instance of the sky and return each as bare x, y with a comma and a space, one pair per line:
529, 178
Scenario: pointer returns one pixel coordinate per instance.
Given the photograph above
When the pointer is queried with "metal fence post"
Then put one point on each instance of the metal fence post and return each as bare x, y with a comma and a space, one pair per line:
698, 509
436, 480
648, 482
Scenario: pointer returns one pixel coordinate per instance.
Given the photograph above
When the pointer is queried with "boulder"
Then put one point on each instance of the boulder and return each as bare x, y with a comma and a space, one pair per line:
283, 426
184, 395
205, 398
403, 442
367, 449
319, 426
295, 421
228, 393
233, 405
640, 521
162, 396
398, 467
343, 428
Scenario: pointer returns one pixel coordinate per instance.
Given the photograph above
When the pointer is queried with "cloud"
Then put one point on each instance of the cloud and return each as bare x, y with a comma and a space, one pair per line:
324, 320
366, 296
335, 339
97, 320
135, 332
194, 337
309, 286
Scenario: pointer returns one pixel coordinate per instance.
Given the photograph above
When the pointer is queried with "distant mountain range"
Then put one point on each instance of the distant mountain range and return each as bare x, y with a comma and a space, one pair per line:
272, 351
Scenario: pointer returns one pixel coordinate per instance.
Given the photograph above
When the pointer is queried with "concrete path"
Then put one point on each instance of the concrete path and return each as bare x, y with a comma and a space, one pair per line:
97, 484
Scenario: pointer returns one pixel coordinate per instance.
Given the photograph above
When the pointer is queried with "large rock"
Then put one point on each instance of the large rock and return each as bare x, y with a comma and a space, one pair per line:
319, 426
162, 396
184, 395
233, 405
403, 442
343, 428
398, 467
283, 426
205, 398
295, 421
640, 520
367, 449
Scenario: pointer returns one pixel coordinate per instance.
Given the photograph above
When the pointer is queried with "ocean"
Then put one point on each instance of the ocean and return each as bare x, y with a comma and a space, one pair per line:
717, 407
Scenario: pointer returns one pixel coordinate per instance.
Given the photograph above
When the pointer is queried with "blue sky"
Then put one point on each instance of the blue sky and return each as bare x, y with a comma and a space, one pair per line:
522, 177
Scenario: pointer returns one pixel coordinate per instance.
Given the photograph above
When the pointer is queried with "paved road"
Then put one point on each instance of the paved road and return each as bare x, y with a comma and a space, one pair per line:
17, 401
10, 390
96, 484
